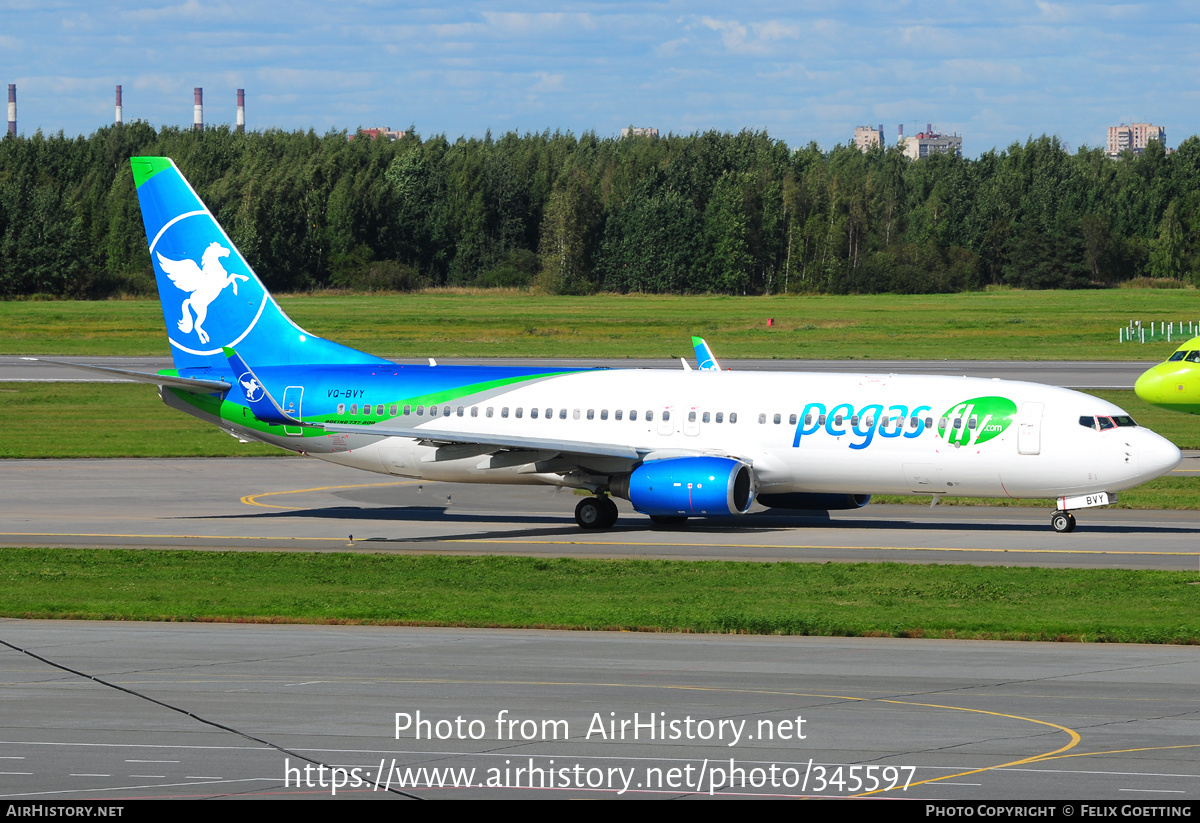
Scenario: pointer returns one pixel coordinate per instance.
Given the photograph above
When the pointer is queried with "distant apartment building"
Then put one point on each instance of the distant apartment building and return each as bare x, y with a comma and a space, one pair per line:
385, 132
637, 131
1133, 138
868, 137
928, 142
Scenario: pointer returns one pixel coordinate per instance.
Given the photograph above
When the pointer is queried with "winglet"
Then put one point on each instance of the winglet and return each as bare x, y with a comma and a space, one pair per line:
704, 355
262, 404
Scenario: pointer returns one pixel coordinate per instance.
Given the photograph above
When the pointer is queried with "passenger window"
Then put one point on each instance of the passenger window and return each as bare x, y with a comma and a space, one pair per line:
474, 411
666, 416
341, 408
929, 422
354, 408
720, 417
870, 422
854, 420
706, 417
913, 422
562, 414
367, 409
379, 410
392, 410
633, 415
460, 411
971, 423
821, 420
520, 411
504, 411
490, 409
408, 409
446, 412
575, 414
791, 419
649, 417
549, 413
604, 414
533, 414
837, 420
762, 418
591, 415
808, 419
617, 414
733, 417
433, 411
943, 423
958, 422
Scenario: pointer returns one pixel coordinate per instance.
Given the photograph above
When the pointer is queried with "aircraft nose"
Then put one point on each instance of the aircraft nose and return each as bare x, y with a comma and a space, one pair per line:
1150, 386
1157, 455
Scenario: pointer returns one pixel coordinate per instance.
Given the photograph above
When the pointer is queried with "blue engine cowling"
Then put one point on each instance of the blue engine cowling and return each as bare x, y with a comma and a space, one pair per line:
689, 486
811, 501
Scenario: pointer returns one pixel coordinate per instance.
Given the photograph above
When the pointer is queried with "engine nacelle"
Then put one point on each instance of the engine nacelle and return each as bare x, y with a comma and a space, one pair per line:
689, 486
814, 501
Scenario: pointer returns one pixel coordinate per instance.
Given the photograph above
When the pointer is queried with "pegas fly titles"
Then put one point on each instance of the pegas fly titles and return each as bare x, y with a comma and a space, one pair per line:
968, 423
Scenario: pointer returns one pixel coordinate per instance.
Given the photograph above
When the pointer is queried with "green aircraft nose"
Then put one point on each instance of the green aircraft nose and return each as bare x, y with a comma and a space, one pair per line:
1174, 386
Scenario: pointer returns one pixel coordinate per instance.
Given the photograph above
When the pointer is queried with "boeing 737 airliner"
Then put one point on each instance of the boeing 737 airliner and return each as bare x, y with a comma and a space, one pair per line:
676, 444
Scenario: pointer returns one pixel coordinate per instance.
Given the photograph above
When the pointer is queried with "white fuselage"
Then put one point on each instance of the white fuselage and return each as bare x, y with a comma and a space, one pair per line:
801, 432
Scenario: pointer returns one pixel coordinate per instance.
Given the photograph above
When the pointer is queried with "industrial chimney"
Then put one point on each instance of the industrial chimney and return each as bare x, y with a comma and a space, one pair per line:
198, 110
12, 109
117, 116
241, 110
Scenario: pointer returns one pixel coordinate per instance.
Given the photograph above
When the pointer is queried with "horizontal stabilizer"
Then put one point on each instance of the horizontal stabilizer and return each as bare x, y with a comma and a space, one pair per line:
262, 404
187, 383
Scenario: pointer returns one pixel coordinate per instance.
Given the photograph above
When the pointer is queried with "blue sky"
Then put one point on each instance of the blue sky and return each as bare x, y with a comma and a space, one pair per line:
995, 72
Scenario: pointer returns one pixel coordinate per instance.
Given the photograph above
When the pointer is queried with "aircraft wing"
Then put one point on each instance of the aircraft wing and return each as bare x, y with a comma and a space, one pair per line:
500, 440
189, 383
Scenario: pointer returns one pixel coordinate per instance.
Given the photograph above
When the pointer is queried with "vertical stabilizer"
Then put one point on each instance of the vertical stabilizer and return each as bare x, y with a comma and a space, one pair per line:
210, 296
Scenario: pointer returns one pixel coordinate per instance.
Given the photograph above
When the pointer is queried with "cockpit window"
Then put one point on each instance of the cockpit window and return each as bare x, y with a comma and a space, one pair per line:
1124, 420
1087, 422
1176, 357
1193, 357
1106, 423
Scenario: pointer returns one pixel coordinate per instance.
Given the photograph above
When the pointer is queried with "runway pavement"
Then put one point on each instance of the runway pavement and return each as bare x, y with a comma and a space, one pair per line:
530, 711
1072, 374
291, 503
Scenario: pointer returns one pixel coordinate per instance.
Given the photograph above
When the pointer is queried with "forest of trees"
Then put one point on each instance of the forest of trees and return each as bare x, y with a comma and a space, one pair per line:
713, 212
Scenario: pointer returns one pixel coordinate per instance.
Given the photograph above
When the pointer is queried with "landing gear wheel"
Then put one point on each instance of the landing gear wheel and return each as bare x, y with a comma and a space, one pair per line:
667, 519
1062, 522
610, 512
589, 514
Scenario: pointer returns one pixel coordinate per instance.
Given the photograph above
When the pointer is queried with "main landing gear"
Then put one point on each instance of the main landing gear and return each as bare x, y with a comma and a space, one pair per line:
1062, 522
596, 513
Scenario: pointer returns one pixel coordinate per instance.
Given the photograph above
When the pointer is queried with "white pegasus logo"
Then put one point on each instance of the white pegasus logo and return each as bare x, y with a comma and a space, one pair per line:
205, 282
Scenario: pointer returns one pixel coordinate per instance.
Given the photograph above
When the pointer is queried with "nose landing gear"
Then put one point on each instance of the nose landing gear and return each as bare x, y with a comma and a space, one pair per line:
1062, 522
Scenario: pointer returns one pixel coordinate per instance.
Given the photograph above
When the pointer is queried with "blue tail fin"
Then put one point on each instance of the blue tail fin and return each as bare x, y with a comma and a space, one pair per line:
210, 296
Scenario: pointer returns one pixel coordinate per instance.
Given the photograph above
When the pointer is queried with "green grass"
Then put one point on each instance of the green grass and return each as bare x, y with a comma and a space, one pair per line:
1005, 324
107, 420
862, 599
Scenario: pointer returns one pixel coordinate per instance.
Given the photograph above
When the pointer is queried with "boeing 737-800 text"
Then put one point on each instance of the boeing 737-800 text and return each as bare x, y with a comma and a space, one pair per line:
676, 444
